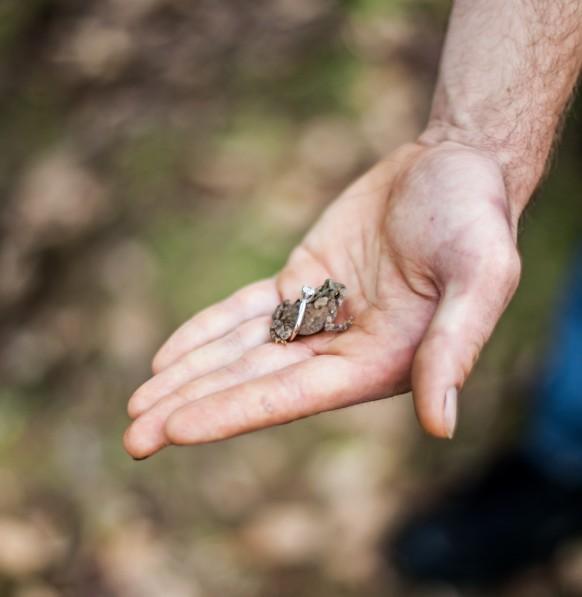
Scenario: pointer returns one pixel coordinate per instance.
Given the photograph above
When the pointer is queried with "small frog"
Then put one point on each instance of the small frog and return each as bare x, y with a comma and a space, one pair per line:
320, 313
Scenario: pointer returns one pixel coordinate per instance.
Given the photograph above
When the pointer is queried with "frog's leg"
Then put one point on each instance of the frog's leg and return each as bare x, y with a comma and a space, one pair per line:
278, 331
274, 337
331, 326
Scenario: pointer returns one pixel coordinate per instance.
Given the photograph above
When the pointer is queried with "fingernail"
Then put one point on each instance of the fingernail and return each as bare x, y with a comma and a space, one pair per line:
139, 458
450, 411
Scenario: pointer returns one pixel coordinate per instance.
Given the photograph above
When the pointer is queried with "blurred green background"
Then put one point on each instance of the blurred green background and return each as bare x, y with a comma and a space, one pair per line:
156, 155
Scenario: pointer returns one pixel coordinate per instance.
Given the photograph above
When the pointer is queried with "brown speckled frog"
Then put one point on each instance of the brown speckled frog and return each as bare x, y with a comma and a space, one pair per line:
320, 314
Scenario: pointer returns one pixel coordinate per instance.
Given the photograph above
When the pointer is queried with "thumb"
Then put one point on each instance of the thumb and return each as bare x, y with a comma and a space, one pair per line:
463, 321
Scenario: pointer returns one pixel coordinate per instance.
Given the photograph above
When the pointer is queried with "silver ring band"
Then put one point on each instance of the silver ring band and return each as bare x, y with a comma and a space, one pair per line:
306, 294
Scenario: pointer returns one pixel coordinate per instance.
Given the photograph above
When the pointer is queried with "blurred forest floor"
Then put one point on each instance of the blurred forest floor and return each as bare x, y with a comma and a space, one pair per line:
156, 155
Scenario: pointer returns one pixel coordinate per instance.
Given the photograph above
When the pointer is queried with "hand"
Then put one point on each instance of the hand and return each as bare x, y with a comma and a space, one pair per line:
425, 243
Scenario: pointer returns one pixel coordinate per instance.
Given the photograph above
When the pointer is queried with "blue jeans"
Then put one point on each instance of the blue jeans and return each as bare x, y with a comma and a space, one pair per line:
554, 436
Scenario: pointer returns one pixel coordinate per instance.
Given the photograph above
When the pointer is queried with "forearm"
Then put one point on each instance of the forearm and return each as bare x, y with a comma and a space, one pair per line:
507, 71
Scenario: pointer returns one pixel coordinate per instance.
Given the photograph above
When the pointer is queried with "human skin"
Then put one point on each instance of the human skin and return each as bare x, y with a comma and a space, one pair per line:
425, 243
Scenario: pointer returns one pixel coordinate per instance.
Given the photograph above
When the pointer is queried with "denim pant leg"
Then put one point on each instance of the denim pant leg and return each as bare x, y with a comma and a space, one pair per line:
554, 437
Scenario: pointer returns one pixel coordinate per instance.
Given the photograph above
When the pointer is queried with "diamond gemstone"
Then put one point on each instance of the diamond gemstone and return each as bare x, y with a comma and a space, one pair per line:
307, 292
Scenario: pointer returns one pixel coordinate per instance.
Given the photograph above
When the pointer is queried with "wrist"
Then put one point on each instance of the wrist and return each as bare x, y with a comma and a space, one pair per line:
521, 163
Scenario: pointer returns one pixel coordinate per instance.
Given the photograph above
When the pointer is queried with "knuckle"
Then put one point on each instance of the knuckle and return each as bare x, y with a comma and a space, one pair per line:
201, 322
158, 363
508, 273
233, 340
255, 359
242, 299
510, 265
515, 269
183, 395
135, 405
244, 366
503, 265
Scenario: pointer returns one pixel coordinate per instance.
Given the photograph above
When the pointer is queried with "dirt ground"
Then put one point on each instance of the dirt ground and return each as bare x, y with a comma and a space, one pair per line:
155, 155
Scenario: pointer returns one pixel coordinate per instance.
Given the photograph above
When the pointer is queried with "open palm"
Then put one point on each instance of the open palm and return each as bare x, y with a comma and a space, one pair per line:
425, 244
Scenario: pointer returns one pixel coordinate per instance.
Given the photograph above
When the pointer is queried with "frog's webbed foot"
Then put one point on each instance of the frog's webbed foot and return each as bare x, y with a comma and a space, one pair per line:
275, 338
278, 335
331, 326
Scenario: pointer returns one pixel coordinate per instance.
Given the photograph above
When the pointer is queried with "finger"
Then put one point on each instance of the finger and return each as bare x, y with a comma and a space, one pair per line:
255, 300
146, 434
464, 320
209, 357
315, 385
